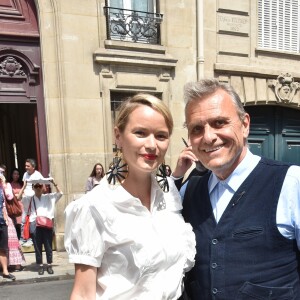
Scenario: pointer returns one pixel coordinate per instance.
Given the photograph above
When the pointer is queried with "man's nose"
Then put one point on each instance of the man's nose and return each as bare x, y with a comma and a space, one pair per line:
209, 134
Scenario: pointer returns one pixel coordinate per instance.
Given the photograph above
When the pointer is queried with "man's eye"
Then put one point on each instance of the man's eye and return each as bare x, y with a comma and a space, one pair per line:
139, 133
196, 130
219, 123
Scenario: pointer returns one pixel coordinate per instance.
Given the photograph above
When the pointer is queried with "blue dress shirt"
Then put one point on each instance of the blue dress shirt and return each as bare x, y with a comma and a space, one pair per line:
288, 209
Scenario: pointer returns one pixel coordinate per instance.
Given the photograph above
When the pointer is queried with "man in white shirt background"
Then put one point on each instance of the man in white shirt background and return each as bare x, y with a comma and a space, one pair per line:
30, 174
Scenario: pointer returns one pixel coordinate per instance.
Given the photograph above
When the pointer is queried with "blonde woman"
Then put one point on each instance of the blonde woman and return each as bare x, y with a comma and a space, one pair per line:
134, 243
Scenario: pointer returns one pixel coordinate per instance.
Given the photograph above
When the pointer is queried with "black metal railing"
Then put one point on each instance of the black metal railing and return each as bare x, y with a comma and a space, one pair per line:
131, 25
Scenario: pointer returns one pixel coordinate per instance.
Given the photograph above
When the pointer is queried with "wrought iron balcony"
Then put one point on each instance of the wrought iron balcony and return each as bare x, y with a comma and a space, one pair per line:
131, 25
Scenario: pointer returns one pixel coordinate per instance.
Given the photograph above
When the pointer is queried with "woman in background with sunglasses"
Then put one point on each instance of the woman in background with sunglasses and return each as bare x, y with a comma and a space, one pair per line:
41, 205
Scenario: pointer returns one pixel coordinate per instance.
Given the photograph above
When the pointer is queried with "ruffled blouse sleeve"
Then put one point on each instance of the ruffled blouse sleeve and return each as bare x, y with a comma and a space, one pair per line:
83, 240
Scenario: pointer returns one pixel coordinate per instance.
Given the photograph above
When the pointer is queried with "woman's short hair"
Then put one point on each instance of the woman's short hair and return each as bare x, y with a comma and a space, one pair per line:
130, 104
196, 91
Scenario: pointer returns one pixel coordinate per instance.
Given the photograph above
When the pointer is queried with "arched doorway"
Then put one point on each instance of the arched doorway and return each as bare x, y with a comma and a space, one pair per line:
275, 132
22, 112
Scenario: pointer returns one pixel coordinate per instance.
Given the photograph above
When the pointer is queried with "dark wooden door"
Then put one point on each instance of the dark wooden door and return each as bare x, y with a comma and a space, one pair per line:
275, 132
21, 88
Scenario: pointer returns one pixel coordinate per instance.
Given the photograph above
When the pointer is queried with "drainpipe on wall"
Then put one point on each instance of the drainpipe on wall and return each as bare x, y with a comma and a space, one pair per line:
200, 38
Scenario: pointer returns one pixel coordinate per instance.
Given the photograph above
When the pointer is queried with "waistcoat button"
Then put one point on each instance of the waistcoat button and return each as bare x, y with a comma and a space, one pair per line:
214, 241
214, 290
214, 265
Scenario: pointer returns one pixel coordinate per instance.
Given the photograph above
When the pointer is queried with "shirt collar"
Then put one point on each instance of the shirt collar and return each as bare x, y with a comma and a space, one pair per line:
124, 197
241, 172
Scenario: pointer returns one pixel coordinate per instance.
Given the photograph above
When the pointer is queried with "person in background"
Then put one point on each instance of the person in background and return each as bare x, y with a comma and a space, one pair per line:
42, 205
127, 237
27, 190
245, 211
168, 170
95, 177
5, 191
30, 174
16, 184
16, 257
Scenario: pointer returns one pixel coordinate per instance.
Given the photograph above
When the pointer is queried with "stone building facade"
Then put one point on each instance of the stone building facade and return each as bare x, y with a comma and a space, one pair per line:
82, 67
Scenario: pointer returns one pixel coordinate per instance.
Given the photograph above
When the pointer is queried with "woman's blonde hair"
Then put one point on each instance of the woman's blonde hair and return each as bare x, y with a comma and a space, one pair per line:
130, 104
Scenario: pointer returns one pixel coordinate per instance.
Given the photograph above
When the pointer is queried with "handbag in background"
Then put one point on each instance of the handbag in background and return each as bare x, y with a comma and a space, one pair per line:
13, 207
44, 222
26, 230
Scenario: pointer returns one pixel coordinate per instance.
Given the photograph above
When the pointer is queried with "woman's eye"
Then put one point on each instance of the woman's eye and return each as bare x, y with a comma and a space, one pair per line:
162, 137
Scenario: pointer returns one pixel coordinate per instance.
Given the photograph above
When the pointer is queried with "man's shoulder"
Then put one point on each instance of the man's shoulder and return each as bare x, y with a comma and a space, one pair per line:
196, 180
275, 163
36, 175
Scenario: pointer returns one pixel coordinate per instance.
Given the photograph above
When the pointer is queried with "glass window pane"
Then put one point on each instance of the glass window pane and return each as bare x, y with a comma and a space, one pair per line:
116, 3
143, 5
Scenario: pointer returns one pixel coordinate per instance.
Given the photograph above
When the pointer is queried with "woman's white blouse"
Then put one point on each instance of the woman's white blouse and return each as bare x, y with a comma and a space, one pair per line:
140, 254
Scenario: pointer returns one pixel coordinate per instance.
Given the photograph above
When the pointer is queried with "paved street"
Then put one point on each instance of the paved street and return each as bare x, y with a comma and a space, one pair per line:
48, 290
30, 286
61, 267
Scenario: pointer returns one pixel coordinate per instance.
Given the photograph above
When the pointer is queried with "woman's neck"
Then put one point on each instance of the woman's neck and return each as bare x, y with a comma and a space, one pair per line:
139, 187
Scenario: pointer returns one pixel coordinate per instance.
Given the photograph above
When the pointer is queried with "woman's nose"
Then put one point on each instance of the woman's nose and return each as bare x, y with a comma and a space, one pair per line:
150, 142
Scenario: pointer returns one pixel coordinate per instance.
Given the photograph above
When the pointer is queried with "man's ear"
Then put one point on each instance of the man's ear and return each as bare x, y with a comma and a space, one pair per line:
246, 124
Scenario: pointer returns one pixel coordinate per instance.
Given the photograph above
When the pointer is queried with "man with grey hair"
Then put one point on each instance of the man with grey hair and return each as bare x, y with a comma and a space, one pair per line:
245, 212
30, 174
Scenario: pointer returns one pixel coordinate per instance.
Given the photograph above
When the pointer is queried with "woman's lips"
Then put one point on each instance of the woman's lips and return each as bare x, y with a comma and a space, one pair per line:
150, 156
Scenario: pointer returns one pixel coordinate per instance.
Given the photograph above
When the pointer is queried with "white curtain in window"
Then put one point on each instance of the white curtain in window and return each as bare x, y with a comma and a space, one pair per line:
278, 24
141, 5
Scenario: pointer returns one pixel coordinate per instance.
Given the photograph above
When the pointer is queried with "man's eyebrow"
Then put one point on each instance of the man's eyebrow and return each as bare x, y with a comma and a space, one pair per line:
193, 124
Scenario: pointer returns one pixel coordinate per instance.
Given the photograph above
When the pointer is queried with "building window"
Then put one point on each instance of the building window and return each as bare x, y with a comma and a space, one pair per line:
134, 21
278, 25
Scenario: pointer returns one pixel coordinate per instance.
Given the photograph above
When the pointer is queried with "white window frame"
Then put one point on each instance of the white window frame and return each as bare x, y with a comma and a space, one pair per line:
278, 25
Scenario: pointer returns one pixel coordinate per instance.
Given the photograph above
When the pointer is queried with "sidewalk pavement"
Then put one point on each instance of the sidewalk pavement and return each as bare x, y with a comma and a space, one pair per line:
61, 267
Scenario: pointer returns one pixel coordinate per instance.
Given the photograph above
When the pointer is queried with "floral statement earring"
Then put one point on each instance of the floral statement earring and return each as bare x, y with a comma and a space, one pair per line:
161, 178
118, 170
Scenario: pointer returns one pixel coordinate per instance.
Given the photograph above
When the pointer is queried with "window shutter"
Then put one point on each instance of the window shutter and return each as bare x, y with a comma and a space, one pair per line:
278, 24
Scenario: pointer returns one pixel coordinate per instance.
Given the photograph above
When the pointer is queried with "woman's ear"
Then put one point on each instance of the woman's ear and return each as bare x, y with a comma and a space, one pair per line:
117, 137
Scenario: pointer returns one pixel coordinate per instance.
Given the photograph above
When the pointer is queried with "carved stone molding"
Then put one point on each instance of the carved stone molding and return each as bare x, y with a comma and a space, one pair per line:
9, 66
14, 64
285, 88
19, 77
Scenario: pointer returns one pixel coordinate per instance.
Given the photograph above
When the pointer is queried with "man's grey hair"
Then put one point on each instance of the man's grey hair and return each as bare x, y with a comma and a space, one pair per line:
196, 91
32, 162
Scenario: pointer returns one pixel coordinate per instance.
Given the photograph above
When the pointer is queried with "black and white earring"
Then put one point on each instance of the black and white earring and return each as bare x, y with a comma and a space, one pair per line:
118, 169
161, 178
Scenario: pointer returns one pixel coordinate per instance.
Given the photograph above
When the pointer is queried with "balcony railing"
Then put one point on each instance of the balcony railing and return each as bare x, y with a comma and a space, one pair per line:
131, 25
